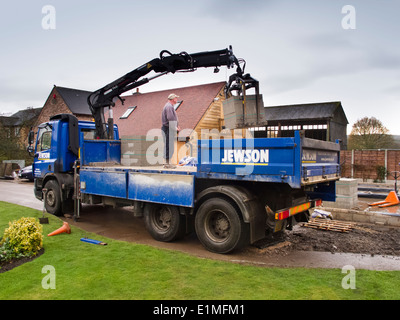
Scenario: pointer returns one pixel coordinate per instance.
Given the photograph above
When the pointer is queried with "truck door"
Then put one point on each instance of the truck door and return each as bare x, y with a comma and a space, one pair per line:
43, 162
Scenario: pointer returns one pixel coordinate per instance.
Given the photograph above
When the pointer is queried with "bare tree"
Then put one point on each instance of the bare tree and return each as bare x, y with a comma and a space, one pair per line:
369, 133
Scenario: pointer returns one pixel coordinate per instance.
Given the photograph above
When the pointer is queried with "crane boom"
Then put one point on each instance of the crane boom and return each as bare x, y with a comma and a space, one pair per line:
166, 63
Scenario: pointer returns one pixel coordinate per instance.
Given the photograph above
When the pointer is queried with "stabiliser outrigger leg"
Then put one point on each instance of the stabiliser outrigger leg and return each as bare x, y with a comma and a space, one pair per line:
77, 193
168, 63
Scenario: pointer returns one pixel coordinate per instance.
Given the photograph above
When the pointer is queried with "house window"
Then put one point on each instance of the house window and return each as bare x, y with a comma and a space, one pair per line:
272, 131
315, 126
128, 112
177, 105
257, 128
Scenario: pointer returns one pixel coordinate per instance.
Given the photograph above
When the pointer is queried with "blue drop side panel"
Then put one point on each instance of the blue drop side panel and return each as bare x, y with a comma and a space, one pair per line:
172, 189
104, 183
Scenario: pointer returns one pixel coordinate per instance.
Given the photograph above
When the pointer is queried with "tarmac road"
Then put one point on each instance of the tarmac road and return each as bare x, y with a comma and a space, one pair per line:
19, 192
121, 225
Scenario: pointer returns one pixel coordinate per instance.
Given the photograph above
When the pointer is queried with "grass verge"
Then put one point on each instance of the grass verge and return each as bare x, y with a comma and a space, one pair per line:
123, 270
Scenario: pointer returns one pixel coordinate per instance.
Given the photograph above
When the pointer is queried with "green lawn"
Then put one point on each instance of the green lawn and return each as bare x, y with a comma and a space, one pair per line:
123, 270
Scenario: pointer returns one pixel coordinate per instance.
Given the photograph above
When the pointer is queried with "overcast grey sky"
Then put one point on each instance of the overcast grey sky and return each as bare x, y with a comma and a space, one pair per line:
300, 51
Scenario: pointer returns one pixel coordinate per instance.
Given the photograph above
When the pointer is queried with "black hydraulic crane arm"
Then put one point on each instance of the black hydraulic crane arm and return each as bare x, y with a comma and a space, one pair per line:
166, 63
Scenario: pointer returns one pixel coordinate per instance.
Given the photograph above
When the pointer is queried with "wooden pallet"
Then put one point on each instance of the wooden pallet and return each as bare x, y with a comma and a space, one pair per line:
329, 225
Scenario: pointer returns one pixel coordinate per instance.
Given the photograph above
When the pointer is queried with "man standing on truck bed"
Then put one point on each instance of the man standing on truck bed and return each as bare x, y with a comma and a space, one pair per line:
170, 128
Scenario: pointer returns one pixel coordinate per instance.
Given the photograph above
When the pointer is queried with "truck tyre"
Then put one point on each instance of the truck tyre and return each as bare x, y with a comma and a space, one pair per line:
52, 200
164, 222
219, 226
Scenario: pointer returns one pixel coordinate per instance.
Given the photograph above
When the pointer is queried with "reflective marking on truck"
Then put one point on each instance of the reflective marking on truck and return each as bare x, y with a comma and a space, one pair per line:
309, 156
245, 157
44, 156
37, 173
313, 156
286, 213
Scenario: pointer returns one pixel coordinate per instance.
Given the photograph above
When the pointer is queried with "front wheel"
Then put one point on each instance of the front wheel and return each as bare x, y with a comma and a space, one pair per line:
164, 223
219, 226
52, 200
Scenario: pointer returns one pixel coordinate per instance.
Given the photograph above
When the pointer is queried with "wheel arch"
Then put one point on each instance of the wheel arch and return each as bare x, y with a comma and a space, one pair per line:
65, 187
172, 232
236, 194
246, 203
65, 182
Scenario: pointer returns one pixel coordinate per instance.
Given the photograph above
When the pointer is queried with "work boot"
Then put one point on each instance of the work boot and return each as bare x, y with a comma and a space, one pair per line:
169, 166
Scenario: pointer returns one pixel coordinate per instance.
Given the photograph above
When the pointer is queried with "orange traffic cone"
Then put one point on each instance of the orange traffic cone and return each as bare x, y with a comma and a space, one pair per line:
391, 200
65, 228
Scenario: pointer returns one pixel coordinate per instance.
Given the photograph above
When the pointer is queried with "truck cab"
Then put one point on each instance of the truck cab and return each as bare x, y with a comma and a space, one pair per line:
55, 154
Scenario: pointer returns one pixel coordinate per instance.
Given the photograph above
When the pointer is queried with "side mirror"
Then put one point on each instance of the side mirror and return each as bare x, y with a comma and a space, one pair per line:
31, 137
31, 140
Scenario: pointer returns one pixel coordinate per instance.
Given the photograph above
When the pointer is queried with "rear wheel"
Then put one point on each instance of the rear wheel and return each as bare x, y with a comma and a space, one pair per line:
52, 200
219, 226
164, 223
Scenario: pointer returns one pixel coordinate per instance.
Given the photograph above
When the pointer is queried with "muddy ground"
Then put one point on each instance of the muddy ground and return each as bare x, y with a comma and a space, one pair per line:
362, 238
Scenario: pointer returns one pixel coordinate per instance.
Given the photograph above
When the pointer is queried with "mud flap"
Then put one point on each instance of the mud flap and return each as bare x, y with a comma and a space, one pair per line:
272, 225
279, 226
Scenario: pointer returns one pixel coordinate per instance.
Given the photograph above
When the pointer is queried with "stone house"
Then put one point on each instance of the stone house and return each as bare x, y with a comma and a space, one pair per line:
17, 126
65, 100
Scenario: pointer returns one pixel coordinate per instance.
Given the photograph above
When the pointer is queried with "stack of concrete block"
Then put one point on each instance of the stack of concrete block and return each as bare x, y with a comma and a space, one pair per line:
346, 194
238, 116
134, 150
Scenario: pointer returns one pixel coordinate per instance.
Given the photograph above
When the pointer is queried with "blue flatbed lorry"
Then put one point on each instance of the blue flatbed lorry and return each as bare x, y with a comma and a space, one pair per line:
240, 191
236, 195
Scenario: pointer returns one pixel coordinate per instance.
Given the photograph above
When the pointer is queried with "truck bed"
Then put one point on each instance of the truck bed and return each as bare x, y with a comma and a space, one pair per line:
296, 161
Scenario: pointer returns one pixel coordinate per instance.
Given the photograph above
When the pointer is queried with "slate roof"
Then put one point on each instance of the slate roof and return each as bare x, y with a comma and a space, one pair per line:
322, 110
25, 115
147, 115
75, 99
8, 121
20, 118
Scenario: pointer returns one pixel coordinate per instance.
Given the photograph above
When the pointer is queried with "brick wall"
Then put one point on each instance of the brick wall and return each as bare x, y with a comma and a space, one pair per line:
365, 164
52, 107
55, 106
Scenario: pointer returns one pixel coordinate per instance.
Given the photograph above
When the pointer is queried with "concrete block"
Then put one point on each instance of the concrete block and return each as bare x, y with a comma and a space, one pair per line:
338, 215
346, 194
357, 217
393, 221
134, 149
128, 163
379, 219
236, 116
